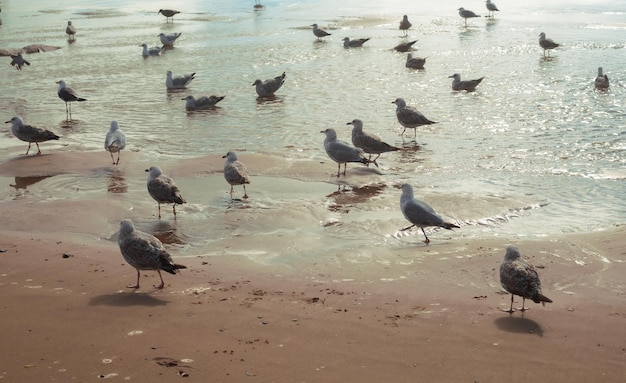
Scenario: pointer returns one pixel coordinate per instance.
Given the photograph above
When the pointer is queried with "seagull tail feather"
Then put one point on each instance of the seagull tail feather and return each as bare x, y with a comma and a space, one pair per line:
540, 298
449, 226
172, 268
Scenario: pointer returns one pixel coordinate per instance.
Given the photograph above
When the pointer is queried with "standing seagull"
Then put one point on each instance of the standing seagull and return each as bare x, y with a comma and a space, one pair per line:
369, 143
415, 62
168, 13
405, 24
267, 88
168, 39
419, 213
319, 33
235, 173
347, 43
491, 7
70, 30
467, 85
519, 277
115, 141
546, 44
602, 81
154, 51
405, 47
466, 13
163, 189
410, 117
30, 133
68, 95
144, 251
203, 102
178, 82
341, 152
18, 61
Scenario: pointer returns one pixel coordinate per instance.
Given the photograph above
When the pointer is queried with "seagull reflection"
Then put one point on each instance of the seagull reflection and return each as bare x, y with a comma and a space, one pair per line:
117, 182
25, 182
166, 232
346, 197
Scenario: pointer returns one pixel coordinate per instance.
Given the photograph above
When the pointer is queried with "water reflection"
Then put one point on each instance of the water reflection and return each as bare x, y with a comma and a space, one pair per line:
166, 232
71, 125
347, 196
117, 182
25, 182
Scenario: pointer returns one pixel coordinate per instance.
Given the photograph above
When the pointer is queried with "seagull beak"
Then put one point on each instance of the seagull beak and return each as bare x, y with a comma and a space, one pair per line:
147, 170
349, 123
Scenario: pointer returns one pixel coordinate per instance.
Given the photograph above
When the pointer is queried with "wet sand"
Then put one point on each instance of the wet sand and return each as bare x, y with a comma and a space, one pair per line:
432, 315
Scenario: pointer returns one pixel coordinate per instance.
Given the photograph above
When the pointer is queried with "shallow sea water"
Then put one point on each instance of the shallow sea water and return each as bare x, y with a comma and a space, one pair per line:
535, 152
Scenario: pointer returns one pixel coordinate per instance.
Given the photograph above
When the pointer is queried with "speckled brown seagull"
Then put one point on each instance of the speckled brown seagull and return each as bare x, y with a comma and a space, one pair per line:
520, 277
144, 251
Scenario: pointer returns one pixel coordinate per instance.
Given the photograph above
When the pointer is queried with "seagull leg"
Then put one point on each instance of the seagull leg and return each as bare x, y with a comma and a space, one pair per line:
338, 169
510, 310
245, 194
404, 130
231, 191
162, 283
27, 150
523, 308
136, 285
344, 168
38, 150
407, 228
375, 163
111, 153
426, 240
174, 210
118, 158
159, 206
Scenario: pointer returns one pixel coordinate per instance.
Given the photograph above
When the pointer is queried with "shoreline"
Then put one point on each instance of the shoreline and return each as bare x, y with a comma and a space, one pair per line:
227, 318
337, 310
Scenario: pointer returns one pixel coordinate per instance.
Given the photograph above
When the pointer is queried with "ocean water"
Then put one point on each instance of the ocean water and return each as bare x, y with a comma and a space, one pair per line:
535, 152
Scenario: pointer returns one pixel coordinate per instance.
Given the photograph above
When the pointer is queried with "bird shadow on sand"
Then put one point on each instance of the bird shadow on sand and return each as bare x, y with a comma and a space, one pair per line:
519, 324
126, 300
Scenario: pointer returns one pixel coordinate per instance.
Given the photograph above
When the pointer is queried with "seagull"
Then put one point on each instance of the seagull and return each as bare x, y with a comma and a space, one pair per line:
16, 53
409, 117
491, 7
144, 251
341, 152
178, 82
520, 277
419, 213
235, 173
466, 13
203, 102
405, 24
70, 30
602, 81
257, 4
115, 141
18, 61
163, 189
319, 33
546, 44
267, 88
404, 47
29, 133
347, 43
415, 62
68, 95
168, 39
154, 51
168, 13
468, 85
369, 143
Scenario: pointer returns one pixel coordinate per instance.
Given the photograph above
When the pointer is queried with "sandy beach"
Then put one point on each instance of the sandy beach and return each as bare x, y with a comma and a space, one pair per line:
67, 315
